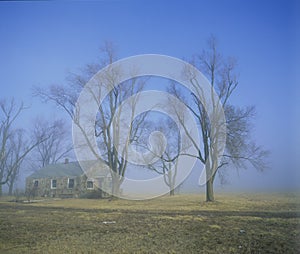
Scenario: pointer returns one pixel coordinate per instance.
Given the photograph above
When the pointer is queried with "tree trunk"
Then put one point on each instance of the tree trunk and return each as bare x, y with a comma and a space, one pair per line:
115, 186
210, 190
172, 192
0, 190
12, 180
10, 189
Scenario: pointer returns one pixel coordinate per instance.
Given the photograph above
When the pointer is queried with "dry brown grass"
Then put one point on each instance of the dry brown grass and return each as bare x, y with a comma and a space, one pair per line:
180, 224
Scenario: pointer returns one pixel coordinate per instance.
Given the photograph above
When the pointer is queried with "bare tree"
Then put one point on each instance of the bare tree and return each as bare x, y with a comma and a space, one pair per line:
108, 123
13, 148
18, 145
55, 147
239, 150
167, 165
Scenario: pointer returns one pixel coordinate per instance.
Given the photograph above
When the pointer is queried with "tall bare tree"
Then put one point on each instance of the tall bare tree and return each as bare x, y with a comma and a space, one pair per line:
107, 125
14, 148
240, 149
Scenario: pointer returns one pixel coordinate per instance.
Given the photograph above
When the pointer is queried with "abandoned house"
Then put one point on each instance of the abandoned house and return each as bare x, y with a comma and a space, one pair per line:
66, 180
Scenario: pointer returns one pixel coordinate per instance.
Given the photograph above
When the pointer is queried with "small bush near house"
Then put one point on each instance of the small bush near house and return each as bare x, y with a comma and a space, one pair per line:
95, 194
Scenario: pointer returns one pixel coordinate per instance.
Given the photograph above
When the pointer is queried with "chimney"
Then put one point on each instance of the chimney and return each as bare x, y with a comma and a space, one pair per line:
66, 160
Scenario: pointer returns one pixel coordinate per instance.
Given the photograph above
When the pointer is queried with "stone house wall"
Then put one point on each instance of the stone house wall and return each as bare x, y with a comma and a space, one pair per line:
80, 186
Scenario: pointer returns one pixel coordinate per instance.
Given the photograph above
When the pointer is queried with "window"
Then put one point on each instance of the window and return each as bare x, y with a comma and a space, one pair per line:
35, 183
70, 183
89, 185
53, 184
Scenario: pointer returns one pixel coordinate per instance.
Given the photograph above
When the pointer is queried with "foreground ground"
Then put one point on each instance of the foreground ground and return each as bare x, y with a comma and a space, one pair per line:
180, 224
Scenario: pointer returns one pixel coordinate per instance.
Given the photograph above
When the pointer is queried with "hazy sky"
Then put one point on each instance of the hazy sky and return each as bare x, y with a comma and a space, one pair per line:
41, 41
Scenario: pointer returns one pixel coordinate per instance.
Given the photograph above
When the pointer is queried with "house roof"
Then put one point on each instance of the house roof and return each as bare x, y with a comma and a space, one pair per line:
71, 169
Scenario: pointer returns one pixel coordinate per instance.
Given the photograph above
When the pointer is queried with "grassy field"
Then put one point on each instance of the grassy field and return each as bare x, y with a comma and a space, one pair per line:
180, 224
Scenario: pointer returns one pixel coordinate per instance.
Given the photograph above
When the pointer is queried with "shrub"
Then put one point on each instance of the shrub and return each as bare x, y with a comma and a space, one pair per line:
95, 194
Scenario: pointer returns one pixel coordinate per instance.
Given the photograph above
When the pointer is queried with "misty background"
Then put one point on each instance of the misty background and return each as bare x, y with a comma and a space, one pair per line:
42, 42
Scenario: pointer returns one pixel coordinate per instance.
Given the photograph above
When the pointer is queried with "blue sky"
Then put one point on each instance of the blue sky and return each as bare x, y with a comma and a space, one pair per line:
41, 41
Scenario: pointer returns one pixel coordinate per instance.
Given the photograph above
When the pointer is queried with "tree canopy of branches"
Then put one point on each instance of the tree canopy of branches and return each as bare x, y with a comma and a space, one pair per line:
55, 147
14, 146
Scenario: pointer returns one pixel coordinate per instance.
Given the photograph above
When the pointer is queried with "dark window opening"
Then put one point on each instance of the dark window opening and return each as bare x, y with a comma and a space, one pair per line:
71, 183
90, 185
53, 184
36, 183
